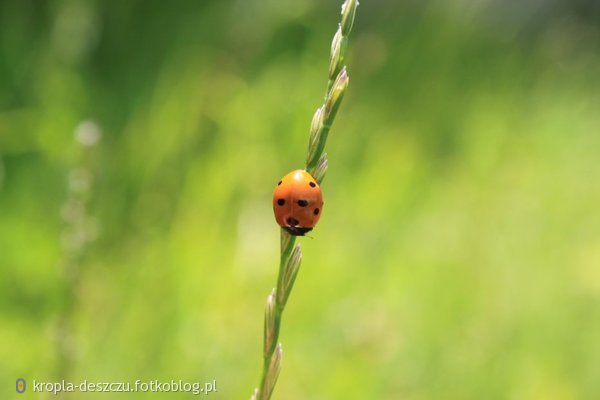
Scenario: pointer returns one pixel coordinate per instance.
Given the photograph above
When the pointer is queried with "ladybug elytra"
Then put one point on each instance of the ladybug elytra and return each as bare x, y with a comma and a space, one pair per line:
297, 202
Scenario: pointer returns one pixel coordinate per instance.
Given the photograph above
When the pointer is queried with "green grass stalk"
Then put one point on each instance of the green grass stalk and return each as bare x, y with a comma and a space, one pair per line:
79, 231
316, 165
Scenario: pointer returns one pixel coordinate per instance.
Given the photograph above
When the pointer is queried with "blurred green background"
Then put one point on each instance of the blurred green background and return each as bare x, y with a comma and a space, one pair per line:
458, 256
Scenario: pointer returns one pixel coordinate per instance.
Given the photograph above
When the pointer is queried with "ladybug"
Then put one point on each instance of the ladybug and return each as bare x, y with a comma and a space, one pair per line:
297, 202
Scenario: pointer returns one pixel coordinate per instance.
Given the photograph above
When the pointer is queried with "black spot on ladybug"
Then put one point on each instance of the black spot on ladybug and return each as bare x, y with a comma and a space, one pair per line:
281, 202
278, 183
312, 184
292, 221
302, 203
316, 212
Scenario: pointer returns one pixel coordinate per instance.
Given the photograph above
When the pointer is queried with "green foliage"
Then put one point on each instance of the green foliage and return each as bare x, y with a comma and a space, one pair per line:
457, 255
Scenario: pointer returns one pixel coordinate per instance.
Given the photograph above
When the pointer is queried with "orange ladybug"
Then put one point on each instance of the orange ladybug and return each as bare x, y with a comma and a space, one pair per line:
297, 202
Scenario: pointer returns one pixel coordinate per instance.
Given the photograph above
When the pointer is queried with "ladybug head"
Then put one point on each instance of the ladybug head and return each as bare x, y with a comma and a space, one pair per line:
296, 230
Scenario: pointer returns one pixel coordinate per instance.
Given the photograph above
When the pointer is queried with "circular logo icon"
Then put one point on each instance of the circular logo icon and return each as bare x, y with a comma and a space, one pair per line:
21, 385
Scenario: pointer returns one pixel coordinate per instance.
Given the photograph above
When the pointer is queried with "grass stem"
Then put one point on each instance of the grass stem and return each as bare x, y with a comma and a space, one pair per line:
316, 165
